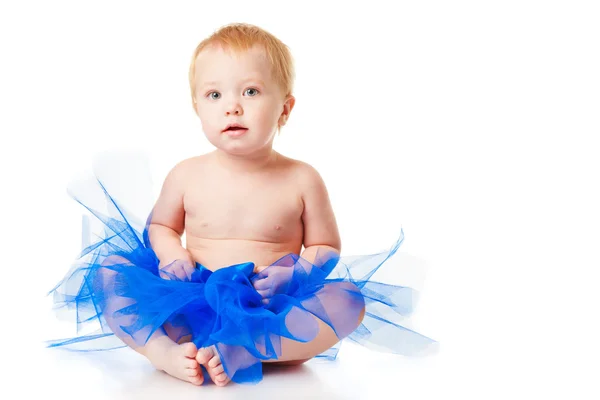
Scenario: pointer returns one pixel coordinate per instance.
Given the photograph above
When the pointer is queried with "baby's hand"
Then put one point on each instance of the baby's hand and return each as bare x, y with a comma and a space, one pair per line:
272, 280
258, 270
180, 270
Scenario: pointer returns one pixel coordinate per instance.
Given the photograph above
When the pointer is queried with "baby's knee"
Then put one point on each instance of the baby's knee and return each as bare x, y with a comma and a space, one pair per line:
349, 299
111, 264
356, 300
350, 293
115, 260
104, 276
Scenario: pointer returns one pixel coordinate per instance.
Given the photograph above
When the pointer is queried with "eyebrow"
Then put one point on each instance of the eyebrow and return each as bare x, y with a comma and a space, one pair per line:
213, 83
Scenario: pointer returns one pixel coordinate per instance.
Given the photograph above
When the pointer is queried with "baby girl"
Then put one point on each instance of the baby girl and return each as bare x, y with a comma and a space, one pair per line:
243, 201
254, 282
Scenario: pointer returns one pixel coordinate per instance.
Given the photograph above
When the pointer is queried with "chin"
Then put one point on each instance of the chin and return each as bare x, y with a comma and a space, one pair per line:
237, 149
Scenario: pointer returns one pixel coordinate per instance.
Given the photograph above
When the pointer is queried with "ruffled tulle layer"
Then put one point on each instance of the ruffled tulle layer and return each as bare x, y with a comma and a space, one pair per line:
116, 284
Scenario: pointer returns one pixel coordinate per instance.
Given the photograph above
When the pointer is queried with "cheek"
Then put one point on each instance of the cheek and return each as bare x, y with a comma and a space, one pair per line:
207, 120
265, 114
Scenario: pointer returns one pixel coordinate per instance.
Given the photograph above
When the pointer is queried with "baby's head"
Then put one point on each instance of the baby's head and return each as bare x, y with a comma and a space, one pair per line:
242, 75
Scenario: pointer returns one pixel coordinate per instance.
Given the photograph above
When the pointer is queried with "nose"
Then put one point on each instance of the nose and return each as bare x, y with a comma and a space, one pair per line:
234, 109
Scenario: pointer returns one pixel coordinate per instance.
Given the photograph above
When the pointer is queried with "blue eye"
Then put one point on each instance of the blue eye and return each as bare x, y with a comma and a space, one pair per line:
254, 92
214, 95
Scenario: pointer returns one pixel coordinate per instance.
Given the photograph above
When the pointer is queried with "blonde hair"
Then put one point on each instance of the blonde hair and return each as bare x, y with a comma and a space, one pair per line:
240, 37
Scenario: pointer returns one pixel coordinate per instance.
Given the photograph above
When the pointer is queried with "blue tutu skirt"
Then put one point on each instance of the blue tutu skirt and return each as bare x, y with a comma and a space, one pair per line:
116, 285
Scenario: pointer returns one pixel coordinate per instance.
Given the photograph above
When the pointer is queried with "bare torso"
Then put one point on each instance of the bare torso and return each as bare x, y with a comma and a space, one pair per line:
233, 218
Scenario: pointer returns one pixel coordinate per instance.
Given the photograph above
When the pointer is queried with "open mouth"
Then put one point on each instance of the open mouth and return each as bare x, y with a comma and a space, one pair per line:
235, 130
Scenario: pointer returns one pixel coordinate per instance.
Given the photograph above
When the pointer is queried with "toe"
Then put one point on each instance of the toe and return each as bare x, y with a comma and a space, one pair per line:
218, 370
214, 362
197, 380
221, 379
204, 355
192, 372
189, 350
191, 363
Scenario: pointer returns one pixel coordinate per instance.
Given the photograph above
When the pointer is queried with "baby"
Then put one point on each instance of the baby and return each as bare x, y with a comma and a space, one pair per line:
243, 202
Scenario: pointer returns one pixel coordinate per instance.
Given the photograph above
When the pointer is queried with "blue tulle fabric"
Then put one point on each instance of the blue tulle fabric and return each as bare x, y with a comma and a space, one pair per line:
117, 286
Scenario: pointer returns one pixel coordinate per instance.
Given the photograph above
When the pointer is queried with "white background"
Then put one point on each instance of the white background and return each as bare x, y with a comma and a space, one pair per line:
468, 124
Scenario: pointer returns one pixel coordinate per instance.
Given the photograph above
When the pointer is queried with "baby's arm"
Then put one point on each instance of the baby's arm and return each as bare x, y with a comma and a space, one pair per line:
321, 233
168, 219
321, 237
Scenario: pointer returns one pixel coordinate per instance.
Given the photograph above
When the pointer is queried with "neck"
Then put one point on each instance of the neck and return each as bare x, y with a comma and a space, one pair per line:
246, 163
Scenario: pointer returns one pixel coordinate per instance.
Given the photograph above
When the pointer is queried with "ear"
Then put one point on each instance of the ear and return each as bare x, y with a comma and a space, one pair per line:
287, 110
195, 105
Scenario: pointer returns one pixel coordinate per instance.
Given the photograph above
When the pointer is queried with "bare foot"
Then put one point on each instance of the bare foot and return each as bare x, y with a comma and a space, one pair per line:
209, 357
178, 360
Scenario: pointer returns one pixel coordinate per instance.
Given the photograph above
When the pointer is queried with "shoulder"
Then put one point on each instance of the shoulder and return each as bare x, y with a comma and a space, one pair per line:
189, 165
307, 177
299, 169
184, 170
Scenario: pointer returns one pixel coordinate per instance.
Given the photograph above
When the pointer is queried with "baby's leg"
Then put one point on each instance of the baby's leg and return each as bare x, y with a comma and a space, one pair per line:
178, 360
345, 308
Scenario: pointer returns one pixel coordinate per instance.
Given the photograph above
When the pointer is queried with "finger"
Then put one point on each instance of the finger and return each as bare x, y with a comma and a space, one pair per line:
263, 274
189, 269
167, 275
166, 272
180, 268
260, 269
178, 272
265, 294
186, 272
262, 284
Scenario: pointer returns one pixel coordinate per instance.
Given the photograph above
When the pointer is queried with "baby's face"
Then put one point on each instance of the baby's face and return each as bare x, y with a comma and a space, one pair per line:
238, 89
